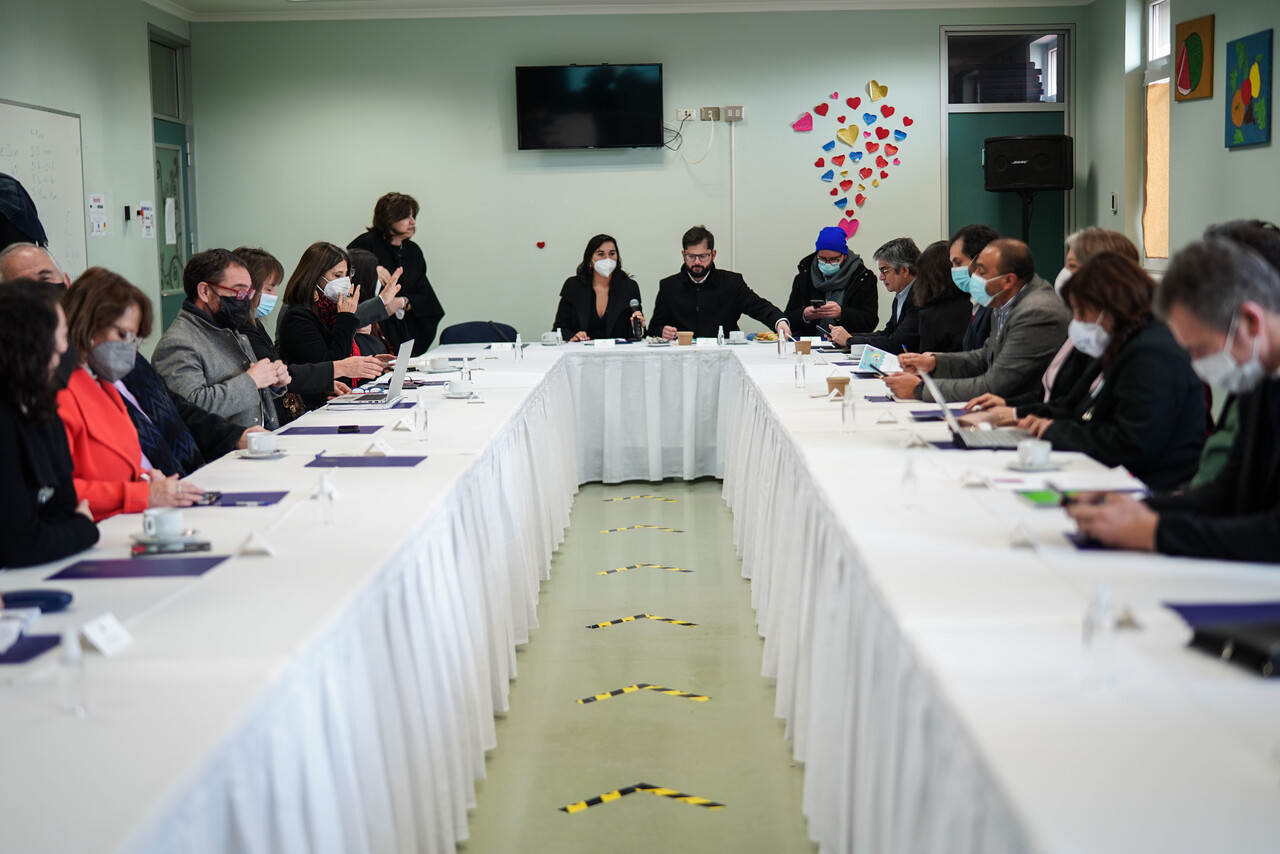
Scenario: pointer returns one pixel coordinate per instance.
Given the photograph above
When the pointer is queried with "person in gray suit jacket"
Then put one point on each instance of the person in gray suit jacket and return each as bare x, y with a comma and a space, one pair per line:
205, 359
1028, 325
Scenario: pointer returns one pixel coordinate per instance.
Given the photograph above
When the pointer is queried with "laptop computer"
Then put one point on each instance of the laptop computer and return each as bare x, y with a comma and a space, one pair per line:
380, 399
999, 439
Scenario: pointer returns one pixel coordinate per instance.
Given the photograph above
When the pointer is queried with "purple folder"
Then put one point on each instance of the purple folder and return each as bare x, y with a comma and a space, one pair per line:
230, 499
328, 430
1210, 613
1084, 543
364, 462
149, 567
845, 364
878, 398
28, 647
936, 415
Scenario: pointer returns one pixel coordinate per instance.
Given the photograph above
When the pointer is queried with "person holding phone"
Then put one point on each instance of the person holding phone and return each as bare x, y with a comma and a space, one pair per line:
596, 301
832, 288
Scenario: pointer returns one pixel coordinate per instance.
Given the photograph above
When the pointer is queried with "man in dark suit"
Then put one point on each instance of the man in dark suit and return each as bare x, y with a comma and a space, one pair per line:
832, 289
897, 262
1222, 303
702, 298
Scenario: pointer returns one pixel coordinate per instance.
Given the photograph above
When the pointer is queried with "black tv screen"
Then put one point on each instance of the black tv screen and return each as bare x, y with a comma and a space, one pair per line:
589, 106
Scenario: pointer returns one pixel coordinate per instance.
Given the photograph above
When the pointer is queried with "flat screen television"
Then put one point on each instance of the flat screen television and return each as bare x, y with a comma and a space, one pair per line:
589, 106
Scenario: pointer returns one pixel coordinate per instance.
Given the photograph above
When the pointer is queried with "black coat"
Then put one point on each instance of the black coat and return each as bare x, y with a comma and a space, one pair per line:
721, 300
898, 336
302, 338
168, 417
979, 329
577, 307
1075, 375
943, 323
313, 381
38, 502
1148, 416
859, 310
424, 314
1236, 516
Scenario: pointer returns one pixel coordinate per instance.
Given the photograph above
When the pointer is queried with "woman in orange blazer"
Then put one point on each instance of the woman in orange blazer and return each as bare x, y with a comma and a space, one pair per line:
106, 317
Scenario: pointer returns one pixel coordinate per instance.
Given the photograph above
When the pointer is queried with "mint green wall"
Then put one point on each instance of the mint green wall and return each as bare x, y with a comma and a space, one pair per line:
91, 58
300, 126
1210, 183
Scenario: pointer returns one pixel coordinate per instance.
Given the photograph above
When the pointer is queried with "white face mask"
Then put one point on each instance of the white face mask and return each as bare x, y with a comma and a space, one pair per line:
1061, 280
337, 288
1089, 338
1220, 369
605, 267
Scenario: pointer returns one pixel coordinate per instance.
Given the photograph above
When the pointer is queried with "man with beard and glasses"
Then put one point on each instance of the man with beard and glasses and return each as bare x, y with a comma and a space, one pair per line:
203, 356
702, 298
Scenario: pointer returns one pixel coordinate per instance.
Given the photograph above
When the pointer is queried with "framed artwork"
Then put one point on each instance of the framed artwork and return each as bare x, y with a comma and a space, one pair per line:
1248, 100
1193, 59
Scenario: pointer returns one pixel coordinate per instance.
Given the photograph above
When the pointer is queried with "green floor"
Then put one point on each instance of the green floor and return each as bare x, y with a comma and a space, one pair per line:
553, 751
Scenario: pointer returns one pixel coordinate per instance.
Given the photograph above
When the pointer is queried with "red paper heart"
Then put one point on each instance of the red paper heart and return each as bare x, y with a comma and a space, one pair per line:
846, 185
882, 132
886, 111
897, 162
850, 214
882, 163
853, 103
819, 163
866, 173
860, 199
834, 191
907, 121
821, 109
873, 147
841, 119
542, 244
884, 174
838, 160
889, 149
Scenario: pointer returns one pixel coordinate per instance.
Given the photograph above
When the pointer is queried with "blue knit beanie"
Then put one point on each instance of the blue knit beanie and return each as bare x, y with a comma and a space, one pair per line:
832, 239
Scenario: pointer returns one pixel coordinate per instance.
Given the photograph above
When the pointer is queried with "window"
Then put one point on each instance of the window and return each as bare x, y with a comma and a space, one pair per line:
1155, 203
1004, 68
165, 97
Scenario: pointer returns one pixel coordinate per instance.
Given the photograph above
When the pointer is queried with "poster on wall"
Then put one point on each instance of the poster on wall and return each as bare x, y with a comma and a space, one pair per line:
1248, 98
1193, 63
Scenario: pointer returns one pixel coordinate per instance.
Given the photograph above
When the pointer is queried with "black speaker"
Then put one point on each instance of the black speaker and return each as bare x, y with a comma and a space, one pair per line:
1044, 162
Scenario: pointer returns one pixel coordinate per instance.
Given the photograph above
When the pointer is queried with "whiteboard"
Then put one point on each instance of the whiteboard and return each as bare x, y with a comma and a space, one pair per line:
41, 148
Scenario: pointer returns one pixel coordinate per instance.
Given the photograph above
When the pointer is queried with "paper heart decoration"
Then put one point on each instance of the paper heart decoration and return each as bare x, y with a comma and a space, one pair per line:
886, 111
870, 118
877, 91
873, 147
853, 103
866, 173
881, 133
855, 156
840, 203
820, 162
899, 135
845, 186
866, 134
884, 174
860, 199
542, 244
841, 119
838, 160
862, 187
834, 191
897, 162
881, 162
850, 213
875, 183
830, 145
844, 174
834, 95
848, 136
803, 123
821, 109
850, 226
829, 175
889, 149
907, 121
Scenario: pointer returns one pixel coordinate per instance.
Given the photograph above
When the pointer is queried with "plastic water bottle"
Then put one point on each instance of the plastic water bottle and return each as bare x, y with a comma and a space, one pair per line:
1098, 664
420, 420
800, 379
75, 699
910, 483
559, 336
519, 348
846, 410
720, 337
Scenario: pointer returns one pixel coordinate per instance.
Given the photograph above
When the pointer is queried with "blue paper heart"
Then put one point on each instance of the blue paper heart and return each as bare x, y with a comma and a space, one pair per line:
841, 202
869, 118
830, 145
855, 156
829, 175
899, 135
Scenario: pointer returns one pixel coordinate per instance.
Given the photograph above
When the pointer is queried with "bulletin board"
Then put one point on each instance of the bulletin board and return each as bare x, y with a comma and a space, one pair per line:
41, 148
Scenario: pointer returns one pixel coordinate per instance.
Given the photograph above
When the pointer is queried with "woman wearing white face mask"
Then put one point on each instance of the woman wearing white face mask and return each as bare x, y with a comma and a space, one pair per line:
597, 301
1147, 412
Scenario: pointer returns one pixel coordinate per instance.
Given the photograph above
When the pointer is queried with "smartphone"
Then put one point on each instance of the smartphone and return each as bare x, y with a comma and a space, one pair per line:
209, 498
349, 428
817, 303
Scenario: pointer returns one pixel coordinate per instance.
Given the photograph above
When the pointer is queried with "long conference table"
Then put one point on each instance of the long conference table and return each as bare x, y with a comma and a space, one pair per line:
923, 626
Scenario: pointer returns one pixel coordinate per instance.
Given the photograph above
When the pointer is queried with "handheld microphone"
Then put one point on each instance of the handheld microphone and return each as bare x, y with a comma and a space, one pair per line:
637, 326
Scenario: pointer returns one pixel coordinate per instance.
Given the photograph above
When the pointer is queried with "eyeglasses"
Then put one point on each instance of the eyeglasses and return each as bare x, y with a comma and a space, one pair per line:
128, 336
697, 259
884, 271
233, 293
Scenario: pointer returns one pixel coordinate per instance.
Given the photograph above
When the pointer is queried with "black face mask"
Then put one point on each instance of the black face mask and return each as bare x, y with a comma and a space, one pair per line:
232, 313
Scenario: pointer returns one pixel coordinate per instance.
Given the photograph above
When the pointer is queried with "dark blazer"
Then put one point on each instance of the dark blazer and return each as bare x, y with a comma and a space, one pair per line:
311, 380
1148, 416
303, 339
38, 518
978, 330
943, 323
859, 310
1075, 376
425, 312
898, 336
1236, 516
721, 300
578, 304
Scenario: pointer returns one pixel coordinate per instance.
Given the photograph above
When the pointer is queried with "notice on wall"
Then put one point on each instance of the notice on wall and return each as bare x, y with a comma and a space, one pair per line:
97, 215
147, 216
170, 227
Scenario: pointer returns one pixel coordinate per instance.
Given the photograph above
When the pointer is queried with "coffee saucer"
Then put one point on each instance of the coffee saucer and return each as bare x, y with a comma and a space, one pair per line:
246, 454
1014, 465
733, 343
189, 536
458, 395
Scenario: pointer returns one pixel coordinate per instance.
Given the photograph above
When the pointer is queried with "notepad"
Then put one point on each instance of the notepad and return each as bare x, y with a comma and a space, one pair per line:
329, 430
152, 567
363, 462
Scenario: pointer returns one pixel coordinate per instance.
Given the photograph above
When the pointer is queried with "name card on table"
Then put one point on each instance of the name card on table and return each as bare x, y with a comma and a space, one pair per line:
500, 346
705, 342
604, 342
107, 634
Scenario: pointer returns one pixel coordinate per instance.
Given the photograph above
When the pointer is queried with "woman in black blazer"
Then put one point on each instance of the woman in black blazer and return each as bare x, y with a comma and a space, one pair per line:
596, 302
40, 517
944, 309
1147, 413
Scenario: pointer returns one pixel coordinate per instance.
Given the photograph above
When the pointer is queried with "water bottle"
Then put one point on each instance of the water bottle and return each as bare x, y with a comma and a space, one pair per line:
71, 675
519, 348
800, 380
1099, 636
420, 420
720, 337
782, 346
559, 336
846, 410
910, 484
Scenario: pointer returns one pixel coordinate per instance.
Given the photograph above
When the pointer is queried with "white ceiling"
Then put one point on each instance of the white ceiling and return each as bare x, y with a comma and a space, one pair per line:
288, 10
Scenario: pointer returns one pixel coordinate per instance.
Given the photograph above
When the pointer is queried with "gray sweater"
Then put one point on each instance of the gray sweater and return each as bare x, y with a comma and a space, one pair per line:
208, 365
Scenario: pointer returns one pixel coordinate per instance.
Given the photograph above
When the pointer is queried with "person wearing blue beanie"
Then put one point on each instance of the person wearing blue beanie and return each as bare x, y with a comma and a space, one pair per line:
833, 287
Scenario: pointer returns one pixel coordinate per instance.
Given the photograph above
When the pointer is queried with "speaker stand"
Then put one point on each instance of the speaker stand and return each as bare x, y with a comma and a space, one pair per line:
1028, 201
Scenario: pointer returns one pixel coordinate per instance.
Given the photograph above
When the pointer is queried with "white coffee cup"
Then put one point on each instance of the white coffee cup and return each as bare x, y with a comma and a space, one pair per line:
459, 387
162, 523
551, 339
440, 363
737, 335
261, 444
1034, 453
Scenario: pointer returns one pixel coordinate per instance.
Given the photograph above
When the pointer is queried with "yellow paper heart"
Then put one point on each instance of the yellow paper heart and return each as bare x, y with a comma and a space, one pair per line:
877, 91
849, 136
844, 174
862, 186
875, 183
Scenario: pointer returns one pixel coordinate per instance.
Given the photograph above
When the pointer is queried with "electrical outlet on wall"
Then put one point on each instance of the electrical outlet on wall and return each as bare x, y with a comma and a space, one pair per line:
733, 114
684, 114
710, 114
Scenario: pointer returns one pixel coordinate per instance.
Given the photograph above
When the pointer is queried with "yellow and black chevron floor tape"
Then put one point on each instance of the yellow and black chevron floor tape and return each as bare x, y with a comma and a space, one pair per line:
642, 686
643, 566
635, 617
651, 497
660, 791
641, 528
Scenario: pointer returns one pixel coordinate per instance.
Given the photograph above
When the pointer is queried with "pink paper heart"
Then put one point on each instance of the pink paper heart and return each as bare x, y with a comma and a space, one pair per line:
850, 226
866, 134
802, 124
834, 95
897, 162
